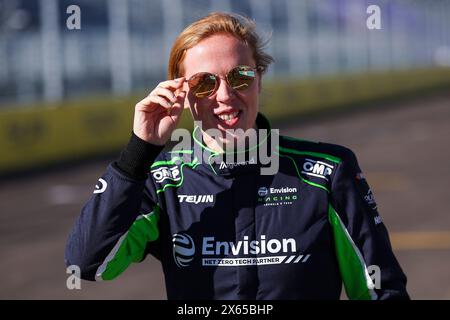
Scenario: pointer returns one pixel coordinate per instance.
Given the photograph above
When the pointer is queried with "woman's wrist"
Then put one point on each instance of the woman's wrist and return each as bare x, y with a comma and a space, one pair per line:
136, 158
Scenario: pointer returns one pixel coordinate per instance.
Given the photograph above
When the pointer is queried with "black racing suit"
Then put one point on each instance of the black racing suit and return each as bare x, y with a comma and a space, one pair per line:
223, 230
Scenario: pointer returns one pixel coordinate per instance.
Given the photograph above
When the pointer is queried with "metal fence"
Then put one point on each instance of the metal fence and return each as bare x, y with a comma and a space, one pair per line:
123, 45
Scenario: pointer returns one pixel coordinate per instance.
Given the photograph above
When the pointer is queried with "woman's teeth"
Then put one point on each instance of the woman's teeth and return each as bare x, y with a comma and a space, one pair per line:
228, 116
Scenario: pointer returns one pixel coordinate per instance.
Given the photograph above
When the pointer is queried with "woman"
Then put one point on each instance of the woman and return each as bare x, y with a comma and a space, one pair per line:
221, 229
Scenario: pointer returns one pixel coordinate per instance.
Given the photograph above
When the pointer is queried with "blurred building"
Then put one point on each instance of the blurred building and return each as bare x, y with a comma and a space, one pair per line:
123, 45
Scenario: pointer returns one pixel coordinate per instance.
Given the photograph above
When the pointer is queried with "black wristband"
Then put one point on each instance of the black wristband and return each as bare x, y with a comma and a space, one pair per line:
136, 158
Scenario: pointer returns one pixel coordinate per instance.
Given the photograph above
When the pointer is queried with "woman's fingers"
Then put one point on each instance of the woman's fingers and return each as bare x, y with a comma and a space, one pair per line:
154, 99
180, 99
172, 84
178, 106
165, 94
157, 114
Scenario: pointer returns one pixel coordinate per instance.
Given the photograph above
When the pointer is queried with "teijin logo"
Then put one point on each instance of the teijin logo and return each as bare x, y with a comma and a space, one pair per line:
262, 251
196, 199
263, 191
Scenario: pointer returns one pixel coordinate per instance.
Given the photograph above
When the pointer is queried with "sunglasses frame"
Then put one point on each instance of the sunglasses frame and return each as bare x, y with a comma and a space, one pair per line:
217, 82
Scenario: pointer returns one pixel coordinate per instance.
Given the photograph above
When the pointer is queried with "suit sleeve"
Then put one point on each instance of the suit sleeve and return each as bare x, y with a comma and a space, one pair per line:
120, 218
367, 263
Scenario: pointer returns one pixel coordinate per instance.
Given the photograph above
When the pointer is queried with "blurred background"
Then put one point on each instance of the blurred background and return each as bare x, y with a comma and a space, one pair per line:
371, 75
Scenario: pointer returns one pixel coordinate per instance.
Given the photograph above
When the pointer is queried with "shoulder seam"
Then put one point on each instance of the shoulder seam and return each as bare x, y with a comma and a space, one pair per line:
317, 185
322, 155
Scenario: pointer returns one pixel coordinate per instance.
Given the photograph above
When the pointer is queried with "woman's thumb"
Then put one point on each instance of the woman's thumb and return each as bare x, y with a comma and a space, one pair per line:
178, 106
180, 98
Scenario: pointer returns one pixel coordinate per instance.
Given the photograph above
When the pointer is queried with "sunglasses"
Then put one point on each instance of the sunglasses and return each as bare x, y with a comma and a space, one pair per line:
205, 84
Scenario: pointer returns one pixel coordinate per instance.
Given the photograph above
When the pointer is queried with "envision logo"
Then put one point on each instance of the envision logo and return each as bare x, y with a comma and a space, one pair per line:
255, 252
317, 169
263, 191
207, 198
183, 249
283, 190
261, 246
261, 251
277, 196
163, 173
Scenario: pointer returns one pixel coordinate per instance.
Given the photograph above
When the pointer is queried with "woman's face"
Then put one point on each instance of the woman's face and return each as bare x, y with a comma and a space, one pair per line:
227, 108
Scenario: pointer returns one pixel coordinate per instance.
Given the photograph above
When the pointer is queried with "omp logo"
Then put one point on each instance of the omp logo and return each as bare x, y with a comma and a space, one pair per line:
205, 198
183, 249
166, 173
317, 169
231, 165
261, 246
102, 187
261, 251
263, 191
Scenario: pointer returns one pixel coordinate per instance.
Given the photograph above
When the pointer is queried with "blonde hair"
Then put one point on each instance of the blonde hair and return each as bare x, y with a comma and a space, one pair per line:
217, 22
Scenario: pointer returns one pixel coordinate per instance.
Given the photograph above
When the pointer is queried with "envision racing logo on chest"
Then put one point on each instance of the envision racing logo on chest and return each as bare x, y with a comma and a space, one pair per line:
261, 251
277, 196
166, 173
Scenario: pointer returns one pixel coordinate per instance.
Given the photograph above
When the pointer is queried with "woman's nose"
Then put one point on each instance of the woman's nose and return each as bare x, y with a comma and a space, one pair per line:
224, 91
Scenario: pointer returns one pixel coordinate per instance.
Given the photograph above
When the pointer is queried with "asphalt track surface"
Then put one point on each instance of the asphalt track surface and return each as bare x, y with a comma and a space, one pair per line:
403, 149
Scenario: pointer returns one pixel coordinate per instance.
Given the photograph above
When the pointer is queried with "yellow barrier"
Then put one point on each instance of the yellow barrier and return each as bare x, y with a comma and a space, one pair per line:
32, 137
291, 98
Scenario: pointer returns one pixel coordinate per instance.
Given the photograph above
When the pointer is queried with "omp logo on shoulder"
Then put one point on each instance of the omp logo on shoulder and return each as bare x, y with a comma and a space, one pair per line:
317, 169
166, 173
183, 249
